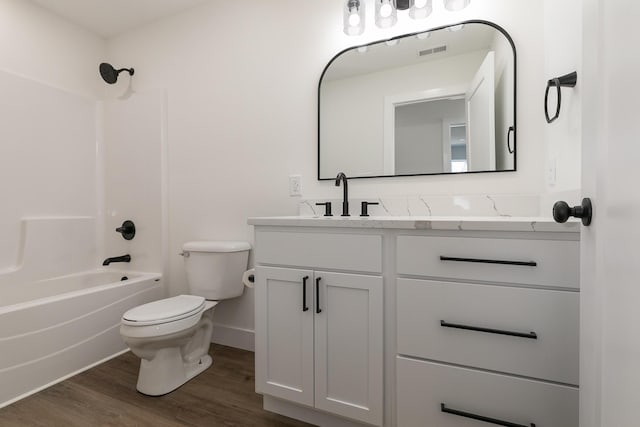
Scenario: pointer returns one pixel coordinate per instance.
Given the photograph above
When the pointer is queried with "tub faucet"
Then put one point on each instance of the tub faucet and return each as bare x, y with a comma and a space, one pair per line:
345, 200
123, 258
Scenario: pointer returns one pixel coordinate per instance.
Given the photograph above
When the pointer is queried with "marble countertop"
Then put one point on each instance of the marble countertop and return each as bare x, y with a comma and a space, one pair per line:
467, 223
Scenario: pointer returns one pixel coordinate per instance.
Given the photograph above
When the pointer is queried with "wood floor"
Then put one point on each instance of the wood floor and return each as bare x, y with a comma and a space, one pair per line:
223, 395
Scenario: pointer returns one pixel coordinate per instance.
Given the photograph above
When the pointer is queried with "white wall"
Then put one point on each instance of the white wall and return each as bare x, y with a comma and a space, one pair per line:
47, 121
241, 79
39, 45
563, 54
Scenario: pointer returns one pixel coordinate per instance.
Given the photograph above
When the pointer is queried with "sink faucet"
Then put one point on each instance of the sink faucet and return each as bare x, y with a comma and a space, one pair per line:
123, 258
345, 200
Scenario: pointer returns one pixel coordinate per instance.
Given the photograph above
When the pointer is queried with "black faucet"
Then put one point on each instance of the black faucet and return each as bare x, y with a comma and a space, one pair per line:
123, 258
345, 201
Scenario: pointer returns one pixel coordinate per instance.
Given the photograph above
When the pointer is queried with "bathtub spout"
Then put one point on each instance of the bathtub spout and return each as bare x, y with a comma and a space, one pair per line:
123, 258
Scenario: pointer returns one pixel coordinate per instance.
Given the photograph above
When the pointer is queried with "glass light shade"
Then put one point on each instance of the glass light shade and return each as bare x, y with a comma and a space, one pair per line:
353, 17
386, 13
455, 5
421, 9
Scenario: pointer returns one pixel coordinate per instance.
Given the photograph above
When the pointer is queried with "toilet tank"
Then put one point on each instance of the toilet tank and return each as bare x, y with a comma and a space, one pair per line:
214, 269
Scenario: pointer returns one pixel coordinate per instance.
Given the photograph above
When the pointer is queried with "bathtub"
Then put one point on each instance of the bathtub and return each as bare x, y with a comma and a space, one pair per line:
54, 328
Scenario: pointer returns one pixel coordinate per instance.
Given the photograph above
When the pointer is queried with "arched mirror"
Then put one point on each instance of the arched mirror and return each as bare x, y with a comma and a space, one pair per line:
437, 102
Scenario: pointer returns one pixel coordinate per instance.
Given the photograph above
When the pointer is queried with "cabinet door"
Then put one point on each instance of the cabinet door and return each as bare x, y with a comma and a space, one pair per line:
284, 333
349, 345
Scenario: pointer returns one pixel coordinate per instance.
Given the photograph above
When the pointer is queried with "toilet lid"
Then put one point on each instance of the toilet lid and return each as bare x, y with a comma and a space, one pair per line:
166, 310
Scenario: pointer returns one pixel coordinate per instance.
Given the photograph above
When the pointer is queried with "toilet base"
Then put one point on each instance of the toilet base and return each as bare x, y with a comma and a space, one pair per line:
167, 372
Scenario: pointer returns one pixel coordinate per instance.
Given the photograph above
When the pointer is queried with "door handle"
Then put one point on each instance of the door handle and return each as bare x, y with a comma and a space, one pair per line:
562, 211
304, 293
318, 309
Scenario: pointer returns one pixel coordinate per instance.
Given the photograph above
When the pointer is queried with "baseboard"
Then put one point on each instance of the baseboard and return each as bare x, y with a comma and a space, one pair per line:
306, 414
233, 336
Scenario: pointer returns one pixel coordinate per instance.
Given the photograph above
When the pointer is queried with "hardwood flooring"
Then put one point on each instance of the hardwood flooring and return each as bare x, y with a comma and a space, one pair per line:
105, 395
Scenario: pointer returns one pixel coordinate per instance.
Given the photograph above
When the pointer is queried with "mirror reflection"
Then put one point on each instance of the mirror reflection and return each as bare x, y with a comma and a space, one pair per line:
441, 101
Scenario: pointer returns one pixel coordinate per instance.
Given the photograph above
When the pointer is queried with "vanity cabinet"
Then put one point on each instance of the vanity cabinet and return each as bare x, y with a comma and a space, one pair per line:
319, 333
487, 329
407, 323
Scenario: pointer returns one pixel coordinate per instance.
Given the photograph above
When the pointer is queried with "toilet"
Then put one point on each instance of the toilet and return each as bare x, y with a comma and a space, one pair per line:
172, 335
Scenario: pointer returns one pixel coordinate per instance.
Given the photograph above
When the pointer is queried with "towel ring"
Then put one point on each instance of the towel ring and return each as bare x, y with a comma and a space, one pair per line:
568, 80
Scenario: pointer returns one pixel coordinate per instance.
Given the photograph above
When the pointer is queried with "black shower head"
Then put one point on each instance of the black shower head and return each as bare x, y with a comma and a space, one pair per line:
110, 74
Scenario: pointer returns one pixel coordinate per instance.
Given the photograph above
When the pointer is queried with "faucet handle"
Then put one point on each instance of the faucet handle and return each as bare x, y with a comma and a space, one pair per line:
364, 211
327, 208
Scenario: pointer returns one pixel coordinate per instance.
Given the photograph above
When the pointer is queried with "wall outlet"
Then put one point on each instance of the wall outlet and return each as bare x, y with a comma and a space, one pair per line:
295, 187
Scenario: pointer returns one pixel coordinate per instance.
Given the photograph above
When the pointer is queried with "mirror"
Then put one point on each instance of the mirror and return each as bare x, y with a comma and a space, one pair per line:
436, 102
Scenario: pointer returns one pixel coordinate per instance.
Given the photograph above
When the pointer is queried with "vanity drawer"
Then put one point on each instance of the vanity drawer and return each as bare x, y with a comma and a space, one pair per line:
337, 251
531, 332
423, 387
536, 262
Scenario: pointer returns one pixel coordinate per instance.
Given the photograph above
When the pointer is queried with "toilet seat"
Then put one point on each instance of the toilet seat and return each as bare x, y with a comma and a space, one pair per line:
165, 311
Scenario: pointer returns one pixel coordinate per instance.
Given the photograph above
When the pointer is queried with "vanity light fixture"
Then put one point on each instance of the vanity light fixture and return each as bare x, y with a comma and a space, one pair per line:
386, 12
456, 5
421, 9
354, 17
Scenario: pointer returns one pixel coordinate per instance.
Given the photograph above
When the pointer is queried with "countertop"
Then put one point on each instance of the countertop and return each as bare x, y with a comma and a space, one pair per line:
480, 223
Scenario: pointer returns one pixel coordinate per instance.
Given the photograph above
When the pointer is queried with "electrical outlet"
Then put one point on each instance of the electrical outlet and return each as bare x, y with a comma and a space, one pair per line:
295, 187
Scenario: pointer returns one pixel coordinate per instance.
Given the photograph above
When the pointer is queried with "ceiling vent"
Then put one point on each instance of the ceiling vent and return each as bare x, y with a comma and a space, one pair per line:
438, 49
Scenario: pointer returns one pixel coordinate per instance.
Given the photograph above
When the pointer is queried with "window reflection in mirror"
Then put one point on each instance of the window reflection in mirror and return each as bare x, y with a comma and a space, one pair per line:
397, 110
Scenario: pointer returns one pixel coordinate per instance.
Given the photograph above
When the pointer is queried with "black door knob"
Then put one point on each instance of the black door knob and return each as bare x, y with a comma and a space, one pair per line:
562, 211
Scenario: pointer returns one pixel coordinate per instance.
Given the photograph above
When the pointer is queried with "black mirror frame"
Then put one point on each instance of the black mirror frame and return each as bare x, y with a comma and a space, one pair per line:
512, 129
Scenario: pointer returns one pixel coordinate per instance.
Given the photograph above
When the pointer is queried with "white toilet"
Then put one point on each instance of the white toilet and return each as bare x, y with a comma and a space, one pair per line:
172, 335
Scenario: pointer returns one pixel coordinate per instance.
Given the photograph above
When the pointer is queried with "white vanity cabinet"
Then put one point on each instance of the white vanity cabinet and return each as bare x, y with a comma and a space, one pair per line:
319, 333
421, 323
487, 330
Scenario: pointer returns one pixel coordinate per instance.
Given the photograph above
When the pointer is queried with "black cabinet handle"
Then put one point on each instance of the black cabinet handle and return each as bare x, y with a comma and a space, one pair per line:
568, 80
489, 261
318, 309
304, 293
443, 408
511, 130
530, 335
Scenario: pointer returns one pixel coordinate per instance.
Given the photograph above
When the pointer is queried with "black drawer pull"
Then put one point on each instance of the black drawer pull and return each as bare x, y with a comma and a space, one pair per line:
530, 335
318, 309
489, 261
304, 293
444, 409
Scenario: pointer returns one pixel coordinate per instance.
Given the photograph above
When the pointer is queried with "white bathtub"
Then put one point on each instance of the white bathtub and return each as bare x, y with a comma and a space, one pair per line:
54, 328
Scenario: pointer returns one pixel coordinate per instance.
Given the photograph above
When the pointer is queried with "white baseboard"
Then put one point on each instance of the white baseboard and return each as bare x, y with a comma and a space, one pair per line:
233, 336
306, 414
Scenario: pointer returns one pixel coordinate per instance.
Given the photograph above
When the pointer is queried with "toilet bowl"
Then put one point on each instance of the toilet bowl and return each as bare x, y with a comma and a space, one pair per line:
172, 336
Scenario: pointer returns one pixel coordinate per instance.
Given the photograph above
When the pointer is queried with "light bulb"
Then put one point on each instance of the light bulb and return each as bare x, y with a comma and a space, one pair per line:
354, 19
455, 5
420, 3
385, 10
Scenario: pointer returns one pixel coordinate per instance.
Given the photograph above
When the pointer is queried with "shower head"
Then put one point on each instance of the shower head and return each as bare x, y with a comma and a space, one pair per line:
110, 74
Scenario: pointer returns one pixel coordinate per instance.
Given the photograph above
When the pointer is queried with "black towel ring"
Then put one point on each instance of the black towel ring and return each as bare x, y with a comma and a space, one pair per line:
568, 80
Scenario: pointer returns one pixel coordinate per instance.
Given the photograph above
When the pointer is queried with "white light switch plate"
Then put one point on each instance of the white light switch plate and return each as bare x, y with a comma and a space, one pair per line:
295, 187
